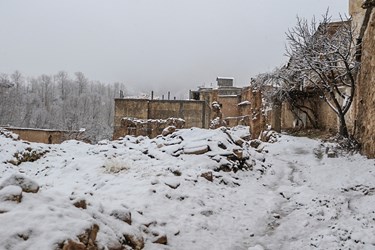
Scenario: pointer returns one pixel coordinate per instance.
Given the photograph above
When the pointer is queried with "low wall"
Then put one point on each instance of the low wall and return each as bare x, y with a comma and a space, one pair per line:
46, 135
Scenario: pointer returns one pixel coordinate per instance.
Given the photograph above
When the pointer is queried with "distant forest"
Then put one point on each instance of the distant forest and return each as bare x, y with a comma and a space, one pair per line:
58, 102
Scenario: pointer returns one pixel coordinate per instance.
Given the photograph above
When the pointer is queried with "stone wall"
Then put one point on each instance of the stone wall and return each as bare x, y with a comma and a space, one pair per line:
365, 129
229, 105
130, 108
150, 127
357, 13
195, 113
327, 117
282, 117
46, 135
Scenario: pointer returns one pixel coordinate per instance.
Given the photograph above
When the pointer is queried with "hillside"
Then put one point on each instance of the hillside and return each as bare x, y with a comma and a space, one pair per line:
193, 189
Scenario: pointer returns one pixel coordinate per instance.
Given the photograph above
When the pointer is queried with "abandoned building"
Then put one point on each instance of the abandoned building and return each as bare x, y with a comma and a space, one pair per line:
359, 118
245, 106
148, 117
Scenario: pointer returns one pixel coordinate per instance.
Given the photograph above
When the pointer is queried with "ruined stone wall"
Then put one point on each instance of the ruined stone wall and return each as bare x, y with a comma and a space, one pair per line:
327, 117
287, 117
273, 117
195, 113
357, 13
235, 121
229, 105
150, 128
282, 116
245, 105
256, 117
208, 95
130, 108
44, 135
365, 130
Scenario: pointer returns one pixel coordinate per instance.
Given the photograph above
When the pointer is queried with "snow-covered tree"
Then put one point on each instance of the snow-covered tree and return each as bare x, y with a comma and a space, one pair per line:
4, 81
282, 86
322, 57
58, 102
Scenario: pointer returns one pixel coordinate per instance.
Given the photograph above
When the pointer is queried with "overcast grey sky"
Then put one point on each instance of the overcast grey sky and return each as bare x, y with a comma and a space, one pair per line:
151, 44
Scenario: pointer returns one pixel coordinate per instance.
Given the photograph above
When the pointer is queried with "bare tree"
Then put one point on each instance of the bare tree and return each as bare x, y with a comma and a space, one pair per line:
322, 56
282, 85
82, 82
17, 78
4, 81
62, 80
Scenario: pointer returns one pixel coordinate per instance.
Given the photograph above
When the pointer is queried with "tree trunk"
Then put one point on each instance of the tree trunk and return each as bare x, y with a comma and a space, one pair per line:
343, 129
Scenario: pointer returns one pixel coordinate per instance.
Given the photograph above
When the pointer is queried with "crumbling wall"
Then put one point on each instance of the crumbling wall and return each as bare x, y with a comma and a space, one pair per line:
365, 129
257, 119
150, 127
195, 114
357, 14
327, 117
130, 108
45, 135
229, 105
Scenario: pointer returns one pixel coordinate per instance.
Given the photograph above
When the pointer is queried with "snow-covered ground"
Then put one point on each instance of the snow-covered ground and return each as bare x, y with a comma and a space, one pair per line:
194, 189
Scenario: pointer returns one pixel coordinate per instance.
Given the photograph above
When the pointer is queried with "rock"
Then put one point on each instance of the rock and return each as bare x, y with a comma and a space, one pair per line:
207, 213
29, 155
168, 130
196, 150
73, 245
208, 176
239, 142
116, 245
81, 203
154, 181
161, 240
87, 240
172, 184
225, 168
135, 241
269, 136
260, 148
238, 153
255, 143
11, 193
27, 185
123, 215
331, 154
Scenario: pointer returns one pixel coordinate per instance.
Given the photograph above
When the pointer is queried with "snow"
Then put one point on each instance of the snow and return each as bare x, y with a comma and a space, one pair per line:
225, 78
289, 195
244, 103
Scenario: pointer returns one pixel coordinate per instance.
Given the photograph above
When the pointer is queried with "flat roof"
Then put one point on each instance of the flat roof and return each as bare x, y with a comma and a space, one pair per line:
225, 78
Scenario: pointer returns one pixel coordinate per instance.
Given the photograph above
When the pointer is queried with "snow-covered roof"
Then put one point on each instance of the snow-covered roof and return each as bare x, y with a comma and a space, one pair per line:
225, 78
81, 130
